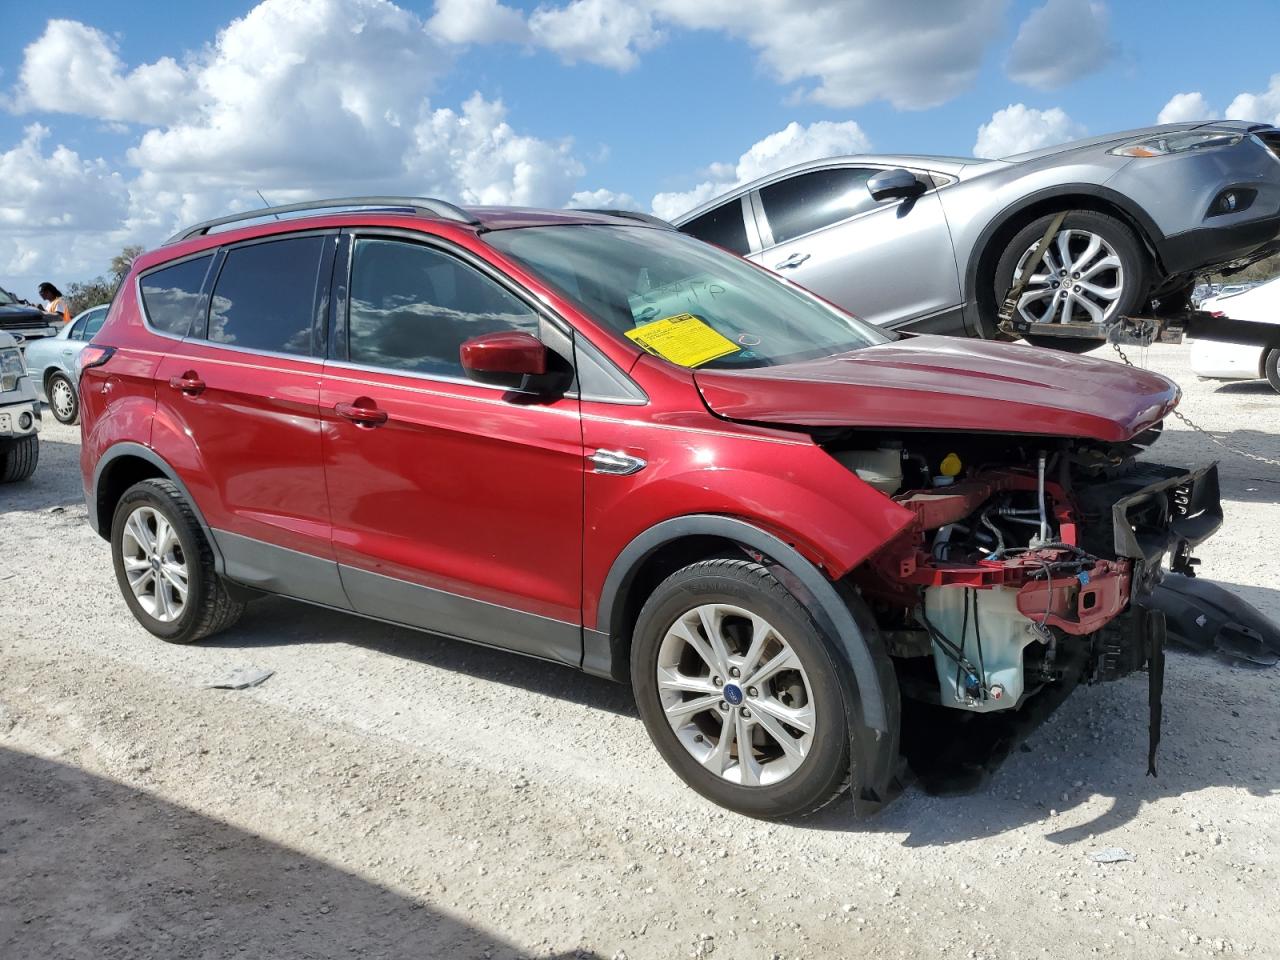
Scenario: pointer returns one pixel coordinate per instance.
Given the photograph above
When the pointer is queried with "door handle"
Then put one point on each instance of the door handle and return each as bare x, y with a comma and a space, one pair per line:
189, 383
362, 412
792, 261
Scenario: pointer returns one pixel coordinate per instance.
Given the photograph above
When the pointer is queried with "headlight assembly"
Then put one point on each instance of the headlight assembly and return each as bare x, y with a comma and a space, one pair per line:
1180, 142
12, 369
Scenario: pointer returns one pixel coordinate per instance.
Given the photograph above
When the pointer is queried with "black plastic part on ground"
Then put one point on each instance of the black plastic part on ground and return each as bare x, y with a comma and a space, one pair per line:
1206, 618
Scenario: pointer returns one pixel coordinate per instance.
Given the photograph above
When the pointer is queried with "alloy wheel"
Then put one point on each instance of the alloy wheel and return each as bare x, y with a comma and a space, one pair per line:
155, 564
1080, 279
63, 399
736, 694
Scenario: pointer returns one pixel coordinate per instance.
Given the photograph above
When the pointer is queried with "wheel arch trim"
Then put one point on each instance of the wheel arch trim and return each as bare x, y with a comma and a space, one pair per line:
128, 448
828, 607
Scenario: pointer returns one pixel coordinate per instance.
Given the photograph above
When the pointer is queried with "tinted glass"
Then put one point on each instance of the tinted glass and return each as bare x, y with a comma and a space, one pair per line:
632, 277
89, 324
811, 201
94, 323
171, 296
723, 226
412, 307
265, 296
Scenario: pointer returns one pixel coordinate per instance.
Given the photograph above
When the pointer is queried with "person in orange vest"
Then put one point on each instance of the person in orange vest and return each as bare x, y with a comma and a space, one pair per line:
55, 302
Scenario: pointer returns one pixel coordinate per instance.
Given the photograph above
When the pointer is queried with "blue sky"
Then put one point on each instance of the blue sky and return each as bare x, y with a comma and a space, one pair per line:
670, 106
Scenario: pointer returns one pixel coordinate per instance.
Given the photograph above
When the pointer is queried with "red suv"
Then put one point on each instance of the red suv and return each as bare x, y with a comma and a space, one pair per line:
598, 441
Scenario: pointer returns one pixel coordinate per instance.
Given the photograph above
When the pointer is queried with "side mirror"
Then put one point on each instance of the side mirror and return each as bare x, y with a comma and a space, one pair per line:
894, 185
505, 359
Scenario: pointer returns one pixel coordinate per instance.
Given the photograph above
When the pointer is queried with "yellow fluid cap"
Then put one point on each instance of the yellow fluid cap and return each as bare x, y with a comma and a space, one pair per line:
950, 465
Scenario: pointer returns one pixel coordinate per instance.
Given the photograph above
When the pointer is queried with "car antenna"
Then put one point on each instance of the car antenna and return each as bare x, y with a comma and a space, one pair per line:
265, 204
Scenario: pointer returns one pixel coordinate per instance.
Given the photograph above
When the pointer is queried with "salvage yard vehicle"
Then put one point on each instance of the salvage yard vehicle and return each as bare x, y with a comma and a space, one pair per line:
25, 321
19, 415
934, 244
603, 443
52, 362
1241, 361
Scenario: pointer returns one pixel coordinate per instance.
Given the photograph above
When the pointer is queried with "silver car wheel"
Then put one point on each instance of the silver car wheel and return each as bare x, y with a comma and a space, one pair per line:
736, 694
63, 399
1080, 279
154, 564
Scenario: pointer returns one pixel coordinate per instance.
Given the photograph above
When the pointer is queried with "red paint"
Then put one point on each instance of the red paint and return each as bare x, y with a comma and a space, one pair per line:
945, 383
465, 488
515, 353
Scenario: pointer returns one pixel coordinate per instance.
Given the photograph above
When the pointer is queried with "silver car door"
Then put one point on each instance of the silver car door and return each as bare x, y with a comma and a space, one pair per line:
890, 262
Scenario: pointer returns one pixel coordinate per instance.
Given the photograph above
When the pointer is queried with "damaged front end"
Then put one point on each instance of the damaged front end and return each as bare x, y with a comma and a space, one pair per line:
1029, 563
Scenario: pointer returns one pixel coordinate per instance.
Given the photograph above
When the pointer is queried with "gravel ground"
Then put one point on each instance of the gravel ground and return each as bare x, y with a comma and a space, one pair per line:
389, 794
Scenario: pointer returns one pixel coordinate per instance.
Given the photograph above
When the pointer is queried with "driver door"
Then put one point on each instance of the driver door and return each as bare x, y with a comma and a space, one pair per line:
887, 262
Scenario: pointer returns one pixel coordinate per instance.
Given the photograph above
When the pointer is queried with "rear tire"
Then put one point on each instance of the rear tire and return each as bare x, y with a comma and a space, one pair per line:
1271, 367
164, 565
19, 460
779, 780
1105, 252
64, 401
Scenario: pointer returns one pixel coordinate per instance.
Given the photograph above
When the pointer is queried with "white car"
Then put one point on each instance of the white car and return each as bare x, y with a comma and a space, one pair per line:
1215, 360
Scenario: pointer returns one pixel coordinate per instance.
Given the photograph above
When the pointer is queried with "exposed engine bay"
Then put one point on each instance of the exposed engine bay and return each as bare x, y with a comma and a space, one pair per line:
1028, 563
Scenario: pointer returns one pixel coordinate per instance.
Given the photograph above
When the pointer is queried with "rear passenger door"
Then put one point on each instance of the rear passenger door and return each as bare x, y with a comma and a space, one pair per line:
237, 410
887, 262
457, 507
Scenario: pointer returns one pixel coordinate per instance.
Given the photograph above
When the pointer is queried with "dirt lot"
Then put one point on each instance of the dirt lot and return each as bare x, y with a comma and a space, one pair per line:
389, 794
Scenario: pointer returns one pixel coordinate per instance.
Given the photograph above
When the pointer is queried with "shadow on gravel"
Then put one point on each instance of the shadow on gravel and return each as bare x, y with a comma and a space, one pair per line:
94, 868
271, 621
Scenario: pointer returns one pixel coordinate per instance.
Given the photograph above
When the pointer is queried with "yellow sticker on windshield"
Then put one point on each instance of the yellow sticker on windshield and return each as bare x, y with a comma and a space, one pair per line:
683, 339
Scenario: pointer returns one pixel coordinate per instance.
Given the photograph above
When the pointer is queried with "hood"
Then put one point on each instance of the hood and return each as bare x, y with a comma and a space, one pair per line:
19, 311
947, 383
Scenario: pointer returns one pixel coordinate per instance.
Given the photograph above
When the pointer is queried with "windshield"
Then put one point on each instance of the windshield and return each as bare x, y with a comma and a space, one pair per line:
681, 299
6, 297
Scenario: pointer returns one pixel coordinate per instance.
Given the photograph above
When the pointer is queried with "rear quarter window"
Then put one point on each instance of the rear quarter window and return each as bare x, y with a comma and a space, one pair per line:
171, 296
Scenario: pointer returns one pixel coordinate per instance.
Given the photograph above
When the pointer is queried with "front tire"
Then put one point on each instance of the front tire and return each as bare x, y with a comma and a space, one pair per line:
64, 401
164, 565
723, 655
1094, 270
19, 458
1271, 368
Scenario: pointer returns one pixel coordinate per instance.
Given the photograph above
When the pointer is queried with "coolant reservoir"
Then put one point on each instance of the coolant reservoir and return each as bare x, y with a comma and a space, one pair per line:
880, 468
1005, 632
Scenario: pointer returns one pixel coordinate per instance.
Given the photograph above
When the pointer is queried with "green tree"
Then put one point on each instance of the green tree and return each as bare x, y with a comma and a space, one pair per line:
86, 294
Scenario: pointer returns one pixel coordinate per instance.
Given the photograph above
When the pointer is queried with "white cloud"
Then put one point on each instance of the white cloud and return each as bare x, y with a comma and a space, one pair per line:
603, 199
298, 99
58, 190
610, 33
73, 68
1060, 42
840, 53
1263, 107
791, 145
477, 21
1186, 107
1019, 128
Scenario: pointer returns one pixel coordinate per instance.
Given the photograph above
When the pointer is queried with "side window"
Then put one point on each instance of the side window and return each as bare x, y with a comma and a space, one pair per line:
94, 323
412, 307
811, 201
88, 325
171, 296
722, 226
264, 298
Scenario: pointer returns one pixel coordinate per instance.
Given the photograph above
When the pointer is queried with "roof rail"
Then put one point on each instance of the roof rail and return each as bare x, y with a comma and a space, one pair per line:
633, 215
423, 205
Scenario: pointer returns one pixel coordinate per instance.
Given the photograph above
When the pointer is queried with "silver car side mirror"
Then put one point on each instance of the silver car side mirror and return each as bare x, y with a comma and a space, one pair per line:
894, 185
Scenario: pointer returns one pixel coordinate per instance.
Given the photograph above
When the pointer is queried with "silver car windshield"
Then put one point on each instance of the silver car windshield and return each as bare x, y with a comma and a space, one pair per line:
681, 299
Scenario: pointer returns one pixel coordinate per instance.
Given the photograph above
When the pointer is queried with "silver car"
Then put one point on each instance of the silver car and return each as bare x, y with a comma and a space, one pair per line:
52, 362
934, 243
